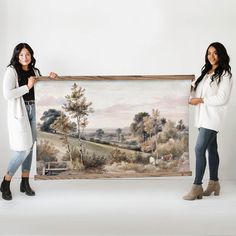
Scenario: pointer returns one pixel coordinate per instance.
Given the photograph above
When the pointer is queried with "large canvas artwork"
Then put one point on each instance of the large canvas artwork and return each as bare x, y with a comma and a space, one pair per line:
112, 126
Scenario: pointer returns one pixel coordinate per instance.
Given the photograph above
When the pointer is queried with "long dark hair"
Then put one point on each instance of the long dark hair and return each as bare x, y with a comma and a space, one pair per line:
15, 58
222, 68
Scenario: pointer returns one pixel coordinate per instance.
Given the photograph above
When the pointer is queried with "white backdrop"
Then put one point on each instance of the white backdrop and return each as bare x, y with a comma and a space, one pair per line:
121, 37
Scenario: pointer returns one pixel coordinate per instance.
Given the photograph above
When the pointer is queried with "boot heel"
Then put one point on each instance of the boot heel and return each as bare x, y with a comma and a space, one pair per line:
195, 193
25, 187
213, 187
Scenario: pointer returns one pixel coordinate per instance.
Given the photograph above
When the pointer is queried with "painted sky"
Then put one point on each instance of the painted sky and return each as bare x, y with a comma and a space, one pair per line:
115, 103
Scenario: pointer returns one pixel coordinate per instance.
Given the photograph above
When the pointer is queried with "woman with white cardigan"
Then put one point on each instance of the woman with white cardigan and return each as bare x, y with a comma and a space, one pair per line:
18, 89
210, 94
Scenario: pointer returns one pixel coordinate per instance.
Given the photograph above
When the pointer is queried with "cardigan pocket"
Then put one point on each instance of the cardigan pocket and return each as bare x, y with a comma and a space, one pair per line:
20, 124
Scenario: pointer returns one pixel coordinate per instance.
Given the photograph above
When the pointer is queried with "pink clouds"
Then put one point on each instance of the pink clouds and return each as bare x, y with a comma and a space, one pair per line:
172, 102
50, 101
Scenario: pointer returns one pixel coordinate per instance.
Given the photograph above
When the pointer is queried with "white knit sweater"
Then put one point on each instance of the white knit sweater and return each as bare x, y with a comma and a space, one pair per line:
211, 113
20, 134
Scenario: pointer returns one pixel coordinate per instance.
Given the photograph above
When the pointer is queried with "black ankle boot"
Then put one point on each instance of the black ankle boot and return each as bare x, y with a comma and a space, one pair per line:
5, 189
25, 187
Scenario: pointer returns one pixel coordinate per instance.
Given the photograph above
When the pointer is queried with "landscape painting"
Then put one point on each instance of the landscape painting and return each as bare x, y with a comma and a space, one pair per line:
112, 126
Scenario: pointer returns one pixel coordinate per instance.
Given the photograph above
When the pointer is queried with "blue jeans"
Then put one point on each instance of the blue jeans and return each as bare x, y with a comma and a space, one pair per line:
206, 140
24, 158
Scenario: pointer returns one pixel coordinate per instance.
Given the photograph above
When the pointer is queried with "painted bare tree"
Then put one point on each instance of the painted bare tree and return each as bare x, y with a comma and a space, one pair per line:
78, 108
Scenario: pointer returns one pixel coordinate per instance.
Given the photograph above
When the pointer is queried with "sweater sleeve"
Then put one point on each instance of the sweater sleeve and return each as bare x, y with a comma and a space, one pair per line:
10, 88
192, 92
223, 93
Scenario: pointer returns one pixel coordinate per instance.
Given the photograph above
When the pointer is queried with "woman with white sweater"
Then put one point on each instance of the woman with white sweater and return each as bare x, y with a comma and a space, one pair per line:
210, 94
18, 89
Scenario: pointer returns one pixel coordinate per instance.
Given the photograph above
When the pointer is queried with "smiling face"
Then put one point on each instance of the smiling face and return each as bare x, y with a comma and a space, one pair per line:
212, 56
25, 58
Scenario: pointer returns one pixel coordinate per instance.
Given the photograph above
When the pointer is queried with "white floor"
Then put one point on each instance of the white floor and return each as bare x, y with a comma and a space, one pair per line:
118, 207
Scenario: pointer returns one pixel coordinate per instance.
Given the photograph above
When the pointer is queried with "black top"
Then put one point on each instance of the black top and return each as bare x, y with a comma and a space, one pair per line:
23, 80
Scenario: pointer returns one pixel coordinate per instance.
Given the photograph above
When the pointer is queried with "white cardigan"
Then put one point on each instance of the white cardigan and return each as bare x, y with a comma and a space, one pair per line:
20, 134
211, 113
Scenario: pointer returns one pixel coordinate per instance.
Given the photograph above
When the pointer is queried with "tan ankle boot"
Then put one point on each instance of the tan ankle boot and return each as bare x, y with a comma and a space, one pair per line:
213, 187
196, 192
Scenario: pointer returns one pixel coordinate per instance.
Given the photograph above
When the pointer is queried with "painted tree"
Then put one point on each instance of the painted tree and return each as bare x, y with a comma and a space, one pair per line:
169, 131
78, 108
153, 125
83, 125
48, 118
163, 121
180, 126
64, 127
137, 127
118, 133
99, 133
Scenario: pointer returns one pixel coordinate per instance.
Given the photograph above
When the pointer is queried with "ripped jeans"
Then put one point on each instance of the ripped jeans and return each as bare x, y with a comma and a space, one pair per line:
24, 158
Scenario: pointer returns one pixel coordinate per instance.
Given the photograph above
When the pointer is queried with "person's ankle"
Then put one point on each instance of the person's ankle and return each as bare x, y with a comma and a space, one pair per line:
8, 177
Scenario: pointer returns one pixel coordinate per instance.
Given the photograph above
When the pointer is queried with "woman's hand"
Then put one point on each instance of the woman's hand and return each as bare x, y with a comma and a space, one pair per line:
53, 75
31, 81
195, 101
